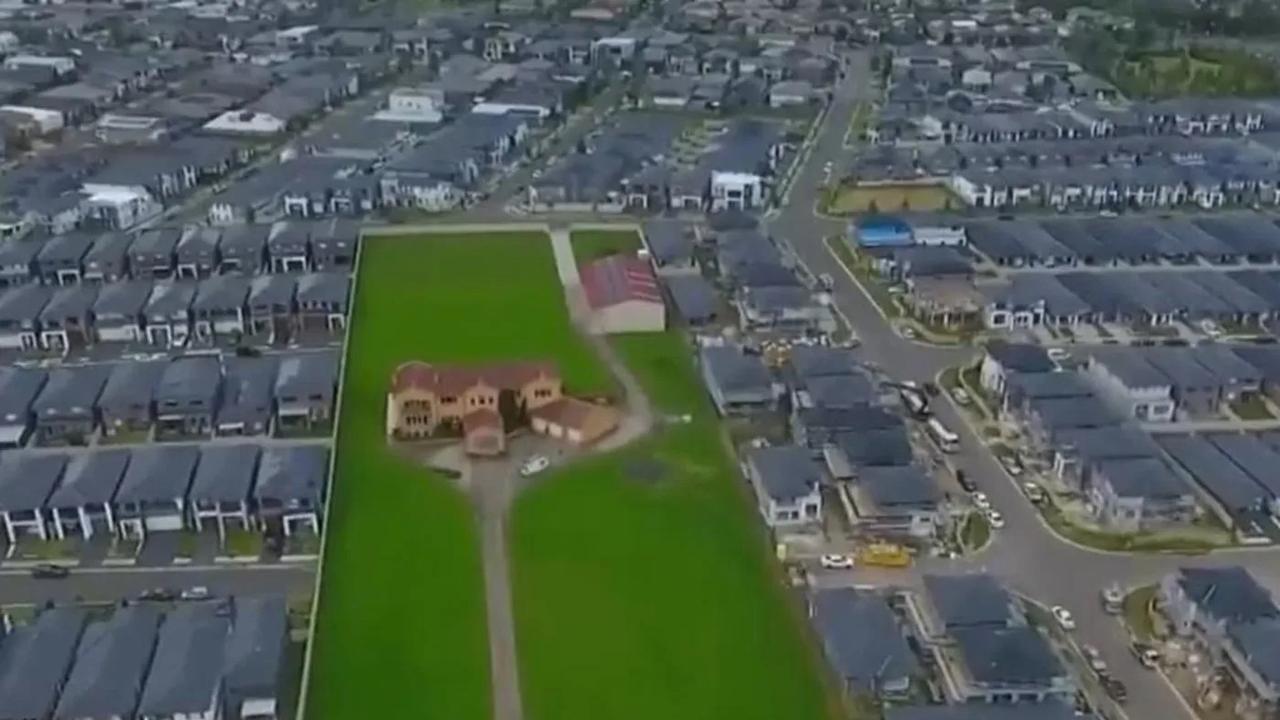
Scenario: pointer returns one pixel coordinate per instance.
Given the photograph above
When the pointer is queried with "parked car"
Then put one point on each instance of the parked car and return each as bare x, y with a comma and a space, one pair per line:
965, 482
1112, 599
826, 281
981, 501
1116, 690
1145, 654
1094, 658
158, 594
931, 389
199, 592
1034, 492
961, 397
49, 571
1063, 617
1012, 465
837, 562
1058, 354
1210, 328
534, 465
909, 333
995, 519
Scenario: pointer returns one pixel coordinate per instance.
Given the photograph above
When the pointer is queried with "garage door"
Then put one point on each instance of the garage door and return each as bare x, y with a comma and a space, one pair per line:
164, 522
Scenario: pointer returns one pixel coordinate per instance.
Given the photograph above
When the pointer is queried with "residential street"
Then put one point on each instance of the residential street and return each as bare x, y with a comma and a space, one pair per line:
112, 584
1025, 554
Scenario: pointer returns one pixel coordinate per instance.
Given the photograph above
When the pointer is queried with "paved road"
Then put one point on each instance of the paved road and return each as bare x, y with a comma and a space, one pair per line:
112, 584
1025, 554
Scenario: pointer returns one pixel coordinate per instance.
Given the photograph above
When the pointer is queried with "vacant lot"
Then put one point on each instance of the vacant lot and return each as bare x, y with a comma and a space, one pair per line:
401, 620
642, 584
591, 245
890, 198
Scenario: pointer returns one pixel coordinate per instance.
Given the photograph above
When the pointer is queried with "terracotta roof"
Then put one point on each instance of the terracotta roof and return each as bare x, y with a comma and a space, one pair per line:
575, 414
456, 379
481, 419
617, 279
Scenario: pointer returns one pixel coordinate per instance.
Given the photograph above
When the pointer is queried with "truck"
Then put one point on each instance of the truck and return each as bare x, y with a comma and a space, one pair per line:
884, 555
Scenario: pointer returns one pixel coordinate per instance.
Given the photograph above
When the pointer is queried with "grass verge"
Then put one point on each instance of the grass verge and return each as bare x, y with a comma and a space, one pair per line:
641, 597
1137, 613
976, 532
1252, 407
401, 613
1129, 542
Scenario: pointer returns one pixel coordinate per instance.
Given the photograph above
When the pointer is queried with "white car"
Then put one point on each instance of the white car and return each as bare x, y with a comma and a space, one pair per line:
837, 562
1210, 328
1063, 617
961, 397
1034, 492
995, 519
534, 465
1058, 354
1012, 466
981, 501
198, 592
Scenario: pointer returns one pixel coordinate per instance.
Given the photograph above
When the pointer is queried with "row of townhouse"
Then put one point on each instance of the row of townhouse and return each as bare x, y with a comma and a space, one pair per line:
188, 397
165, 314
278, 489
192, 252
217, 659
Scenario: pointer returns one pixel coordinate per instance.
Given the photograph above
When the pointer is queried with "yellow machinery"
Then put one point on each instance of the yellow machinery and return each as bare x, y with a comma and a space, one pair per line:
884, 555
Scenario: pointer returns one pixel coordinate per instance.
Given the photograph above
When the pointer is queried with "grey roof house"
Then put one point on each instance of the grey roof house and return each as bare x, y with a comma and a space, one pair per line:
107, 260
61, 260
863, 642
18, 262
18, 390
270, 307
26, 482
35, 660
244, 249
220, 490
304, 391
255, 657
126, 402
737, 382
118, 309
323, 302
247, 396
152, 496
967, 601
66, 408
334, 243
111, 665
167, 314
787, 483
288, 246
196, 254
19, 316
66, 321
152, 253
218, 309
186, 397
1205, 601
185, 680
1007, 665
82, 501
290, 488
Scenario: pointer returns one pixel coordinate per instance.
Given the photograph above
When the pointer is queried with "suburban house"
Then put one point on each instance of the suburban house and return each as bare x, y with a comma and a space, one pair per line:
82, 503
863, 642
19, 316
185, 681
737, 382
1201, 603
1003, 358
247, 396
126, 403
152, 496
255, 658
624, 295
107, 260
787, 483
19, 388
218, 308
65, 410
243, 249
220, 489
305, 385
65, 320
478, 401
322, 302
152, 254
1138, 494
575, 421
290, 488
167, 314
117, 312
44, 649
187, 397
1131, 385
61, 260
270, 307
288, 247
196, 254
26, 482
111, 665
896, 500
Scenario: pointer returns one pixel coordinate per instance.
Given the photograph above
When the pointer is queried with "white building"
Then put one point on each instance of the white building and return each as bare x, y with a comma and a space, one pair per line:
413, 105
46, 120
786, 480
60, 64
246, 122
736, 191
119, 206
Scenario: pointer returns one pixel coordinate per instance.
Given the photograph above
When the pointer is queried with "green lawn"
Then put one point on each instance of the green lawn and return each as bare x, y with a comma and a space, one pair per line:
591, 245
1252, 407
401, 624
976, 531
1137, 613
654, 597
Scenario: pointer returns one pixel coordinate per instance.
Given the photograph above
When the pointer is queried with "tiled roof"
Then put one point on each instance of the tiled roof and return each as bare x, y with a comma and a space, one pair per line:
455, 380
618, 279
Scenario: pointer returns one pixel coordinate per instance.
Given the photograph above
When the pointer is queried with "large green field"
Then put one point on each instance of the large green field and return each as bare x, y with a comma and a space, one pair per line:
401, 626
591, 245
642, 584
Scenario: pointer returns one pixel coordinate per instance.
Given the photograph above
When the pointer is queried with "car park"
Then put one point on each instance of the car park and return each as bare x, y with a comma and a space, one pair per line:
50, 571
836, 562
1063, 617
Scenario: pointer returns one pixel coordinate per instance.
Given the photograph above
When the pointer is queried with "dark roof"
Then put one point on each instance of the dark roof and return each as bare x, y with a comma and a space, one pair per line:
189, 378
901, 485
1007, 656
1047, 710
67, 249
1020, 357
170, 299
158, 473
785, 472
1229, 485
35, 660
874, 448
1227, 593
71, 301
668, 240
127, 298
1146, 478
221, 292
111, 664
24, 303
90, 477
968, 600
694, 298
734, 370
71, 392
292, 473
18, 389
225, 473
816, 361
838, 390
272, 291
861, 637
247, 390
255, 648
187, 666
306, 374
26, 481
323, 289
131, 383
851, 419
1259, 642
